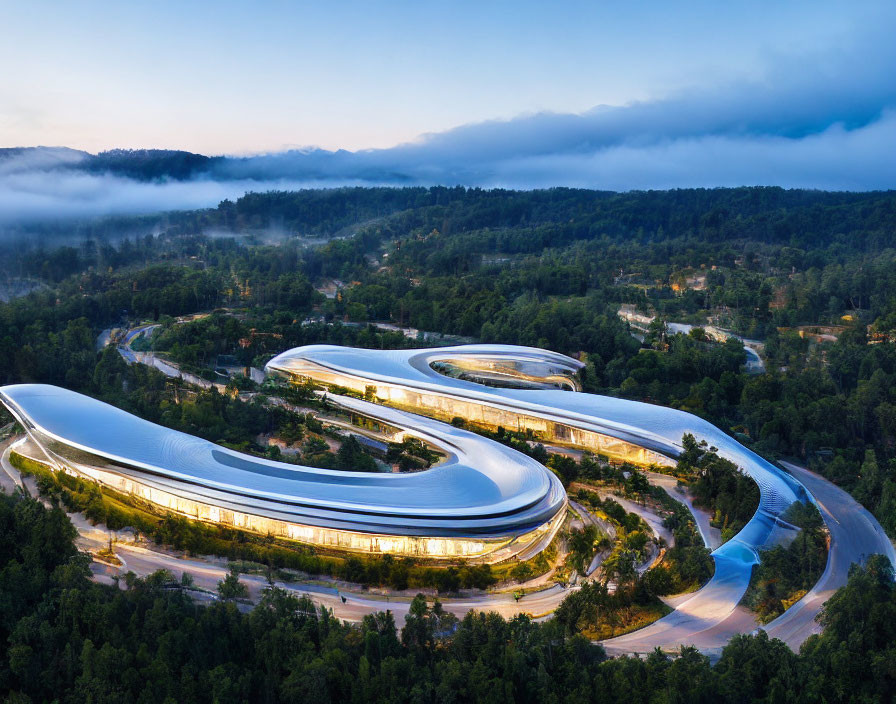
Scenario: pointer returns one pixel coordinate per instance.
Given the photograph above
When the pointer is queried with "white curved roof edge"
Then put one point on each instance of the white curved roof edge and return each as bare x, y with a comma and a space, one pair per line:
656, 427
479, 479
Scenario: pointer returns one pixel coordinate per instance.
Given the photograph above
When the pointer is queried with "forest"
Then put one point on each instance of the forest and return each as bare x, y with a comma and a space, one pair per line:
809, 275
71, 640
771, 264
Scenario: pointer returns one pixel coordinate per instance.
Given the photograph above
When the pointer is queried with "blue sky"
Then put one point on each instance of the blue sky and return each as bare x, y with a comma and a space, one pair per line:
240, 77
614, 96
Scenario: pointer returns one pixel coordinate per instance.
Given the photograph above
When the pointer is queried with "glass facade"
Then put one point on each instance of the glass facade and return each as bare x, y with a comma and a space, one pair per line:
116, 477
508, 507
446, 406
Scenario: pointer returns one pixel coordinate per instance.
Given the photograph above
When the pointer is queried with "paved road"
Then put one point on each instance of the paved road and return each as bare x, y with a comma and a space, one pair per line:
603, 526
653, 521
709, 619
206, 575
9, 477
125, 347
706, 609
752, 348
167, 368
589, 518
712, 537
855, 535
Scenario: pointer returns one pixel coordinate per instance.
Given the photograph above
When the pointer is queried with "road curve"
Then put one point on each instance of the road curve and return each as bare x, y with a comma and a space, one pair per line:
855, 535
710, 616
406, 377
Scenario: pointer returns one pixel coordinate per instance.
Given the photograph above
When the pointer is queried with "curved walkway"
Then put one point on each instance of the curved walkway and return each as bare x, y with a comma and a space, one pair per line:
410, 372
855, 535
707, 618
712, 536
603, 526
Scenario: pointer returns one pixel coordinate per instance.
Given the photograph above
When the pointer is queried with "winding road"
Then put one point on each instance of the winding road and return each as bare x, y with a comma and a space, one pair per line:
855, 535
709, 617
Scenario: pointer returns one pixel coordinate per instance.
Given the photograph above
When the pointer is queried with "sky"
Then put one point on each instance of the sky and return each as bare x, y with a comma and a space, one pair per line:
644, 94
242, 77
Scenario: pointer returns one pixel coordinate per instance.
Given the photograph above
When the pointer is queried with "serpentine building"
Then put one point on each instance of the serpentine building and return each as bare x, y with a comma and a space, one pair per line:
521, 388
484, 502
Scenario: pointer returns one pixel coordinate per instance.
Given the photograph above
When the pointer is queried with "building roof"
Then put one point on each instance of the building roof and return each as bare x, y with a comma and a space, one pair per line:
655, 427
482, 488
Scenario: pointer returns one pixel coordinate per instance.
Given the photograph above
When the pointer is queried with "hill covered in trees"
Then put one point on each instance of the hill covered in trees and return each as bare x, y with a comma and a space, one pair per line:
808, 274
68, 639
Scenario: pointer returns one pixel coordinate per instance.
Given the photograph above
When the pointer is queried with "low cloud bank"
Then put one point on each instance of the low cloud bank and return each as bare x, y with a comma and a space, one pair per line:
64, 194
799, 127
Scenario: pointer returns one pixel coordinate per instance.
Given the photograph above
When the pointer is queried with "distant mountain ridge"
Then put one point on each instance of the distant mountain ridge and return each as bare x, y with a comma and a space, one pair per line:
155, 165
137, 164
148, 165
58, 185
151, 164
13, 159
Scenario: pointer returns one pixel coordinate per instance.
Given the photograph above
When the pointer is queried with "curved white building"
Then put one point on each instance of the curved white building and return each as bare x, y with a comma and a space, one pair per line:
636, 432
485, 502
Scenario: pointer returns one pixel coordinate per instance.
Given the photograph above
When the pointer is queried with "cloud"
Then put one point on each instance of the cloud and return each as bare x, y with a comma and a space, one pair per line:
826, 120
60, 195
839, 157
836, 159
803, 103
